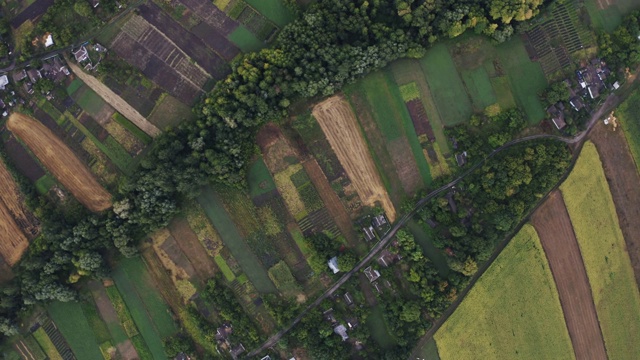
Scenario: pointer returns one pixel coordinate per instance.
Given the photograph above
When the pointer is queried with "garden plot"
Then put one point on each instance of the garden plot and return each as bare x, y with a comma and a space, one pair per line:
148, 49
70, 171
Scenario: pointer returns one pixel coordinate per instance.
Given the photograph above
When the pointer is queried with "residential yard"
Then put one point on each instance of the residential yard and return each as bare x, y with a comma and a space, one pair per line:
73, 324
593, 215
511, 310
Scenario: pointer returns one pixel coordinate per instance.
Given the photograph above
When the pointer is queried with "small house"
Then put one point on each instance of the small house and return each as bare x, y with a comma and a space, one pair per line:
557, 116
94, 3
594, 92
48, 40
348, 299
371, 274
333, 264
224, 332
81, 54
19, 75
576, 103
328, 316
27, 87
368, 233
379, 221
266, 358
34, 75
352, 323
342, 331
387, 258
4, 81
461, 158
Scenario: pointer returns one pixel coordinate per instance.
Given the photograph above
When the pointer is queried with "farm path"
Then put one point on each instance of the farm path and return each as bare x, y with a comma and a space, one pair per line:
560, 245
330, 199
624, 183
115, 101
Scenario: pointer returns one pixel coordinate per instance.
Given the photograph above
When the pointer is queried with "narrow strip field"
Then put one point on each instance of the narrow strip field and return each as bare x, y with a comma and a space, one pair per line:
561, 247
512, 312
61, 161
343, 133
72, 323
606, 260
11, 197
13, 243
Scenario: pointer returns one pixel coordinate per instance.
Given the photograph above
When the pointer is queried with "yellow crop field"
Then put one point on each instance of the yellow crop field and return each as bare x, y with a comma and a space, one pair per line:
289, 192
513, 311
593, 214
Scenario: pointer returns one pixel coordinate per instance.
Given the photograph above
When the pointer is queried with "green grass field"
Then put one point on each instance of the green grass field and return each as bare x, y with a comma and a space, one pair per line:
34, 348
629, 115
378, 328
89, 101
610, 18
75, 328
446, 86
502, 89
224, 267
74, 86
45, 343
513, 311
429, 350
282, 277
215, 211
479, 87
259, 178
245, 40
526, 78
615, 293
273, 10
45, 183
143, 317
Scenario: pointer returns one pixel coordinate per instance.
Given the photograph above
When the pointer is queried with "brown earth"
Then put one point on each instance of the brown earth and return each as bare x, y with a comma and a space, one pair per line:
341, 128
560, 245
13, 243
11, 197
61, 161
188, 242
405, 164
331, 200
115, 101
624, 183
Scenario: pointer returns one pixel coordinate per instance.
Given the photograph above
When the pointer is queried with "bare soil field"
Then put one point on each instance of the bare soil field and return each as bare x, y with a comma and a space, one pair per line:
61, 161
13, 243
188, 242
216, 41
12, 198
22, 160
116, 101
185, 40
341, 128
624, 183
405, 164
560, 245
32, 12
420, 120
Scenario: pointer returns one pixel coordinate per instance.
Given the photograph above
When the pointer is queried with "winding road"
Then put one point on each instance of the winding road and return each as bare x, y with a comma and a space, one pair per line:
609, 104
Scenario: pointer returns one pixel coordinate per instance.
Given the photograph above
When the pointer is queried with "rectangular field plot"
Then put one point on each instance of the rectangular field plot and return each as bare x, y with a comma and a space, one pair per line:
510, 311
629, 115
246, 40
211, 15
447, 88
594, 218
72, 323
479, 87
274, 10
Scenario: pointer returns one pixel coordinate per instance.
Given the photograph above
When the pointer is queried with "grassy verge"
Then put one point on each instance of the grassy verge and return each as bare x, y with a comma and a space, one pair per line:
512, 311
593, 215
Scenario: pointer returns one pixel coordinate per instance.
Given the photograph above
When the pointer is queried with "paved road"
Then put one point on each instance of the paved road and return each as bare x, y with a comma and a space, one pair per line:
609, 104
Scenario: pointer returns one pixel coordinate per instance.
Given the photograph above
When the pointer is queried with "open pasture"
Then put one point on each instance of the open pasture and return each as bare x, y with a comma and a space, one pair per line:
561, 247
513, 310
615, 293
340, 125
65, 166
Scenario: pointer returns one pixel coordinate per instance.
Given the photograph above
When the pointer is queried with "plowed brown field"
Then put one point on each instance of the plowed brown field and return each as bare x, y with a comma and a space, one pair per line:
13, 243
62, 163
624, 182
343, 132
11, 197
558, 239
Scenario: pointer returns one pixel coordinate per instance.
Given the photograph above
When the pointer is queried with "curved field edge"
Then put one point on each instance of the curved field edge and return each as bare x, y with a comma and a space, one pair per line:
511, 311
593, 215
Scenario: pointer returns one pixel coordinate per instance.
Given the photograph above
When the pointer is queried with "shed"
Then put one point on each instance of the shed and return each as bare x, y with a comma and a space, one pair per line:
594, 92
19, 75
368, 233
461, 158
379, 221
48, 40
342, 331
333, 264
348, 299
237, 350
4, 81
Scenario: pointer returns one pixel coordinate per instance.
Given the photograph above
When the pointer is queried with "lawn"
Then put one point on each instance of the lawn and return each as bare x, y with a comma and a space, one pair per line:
513, 311
429, 350
502, 89
239, 248
525, 77
245, 39
479, 87
141, 315
629, 115
610, 18
72, 323
593, 214
89, 101
74, 86
45, 183
273, 10
446, 86
224, 267
378, 327
259, 178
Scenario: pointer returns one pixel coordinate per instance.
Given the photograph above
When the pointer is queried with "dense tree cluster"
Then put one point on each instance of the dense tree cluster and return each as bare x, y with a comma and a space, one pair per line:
332, 43
558, 91
622, 48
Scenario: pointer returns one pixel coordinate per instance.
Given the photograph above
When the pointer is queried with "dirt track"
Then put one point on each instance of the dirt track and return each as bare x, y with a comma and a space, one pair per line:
343, 133
624, 182
558, 239
13, 243
61, 161
116, 101
11, 197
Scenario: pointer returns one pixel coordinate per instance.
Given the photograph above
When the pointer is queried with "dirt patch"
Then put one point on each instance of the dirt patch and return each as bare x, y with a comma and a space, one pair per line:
278, 153
331, 200
12, 198
624, 183
341, 128
116, 101
405, 164
61, 161
560, 245
127, 351
192, 248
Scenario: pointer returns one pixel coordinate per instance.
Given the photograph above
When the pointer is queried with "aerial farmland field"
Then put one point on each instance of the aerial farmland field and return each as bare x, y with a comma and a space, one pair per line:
603, 249
512, 309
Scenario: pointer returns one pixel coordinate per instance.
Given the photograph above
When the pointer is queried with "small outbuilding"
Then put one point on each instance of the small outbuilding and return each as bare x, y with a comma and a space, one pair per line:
372, 274
333, 264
